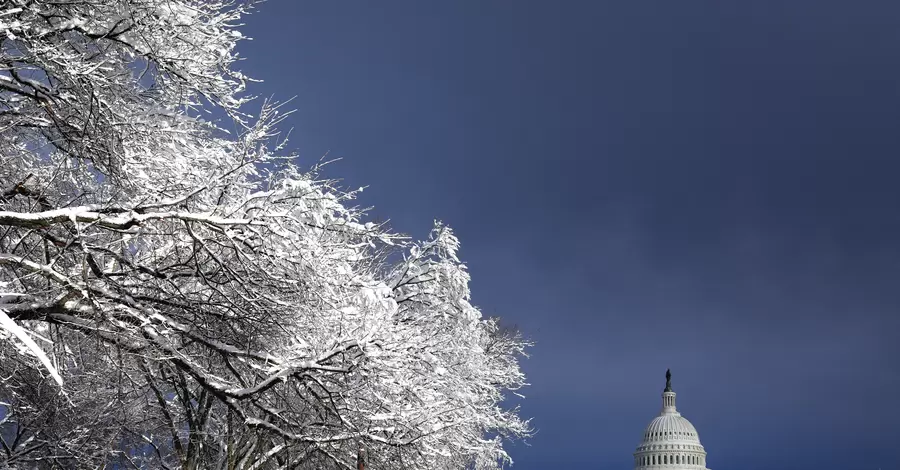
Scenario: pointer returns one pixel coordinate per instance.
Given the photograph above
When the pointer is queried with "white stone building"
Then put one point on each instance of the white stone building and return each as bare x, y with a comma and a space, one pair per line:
670, 441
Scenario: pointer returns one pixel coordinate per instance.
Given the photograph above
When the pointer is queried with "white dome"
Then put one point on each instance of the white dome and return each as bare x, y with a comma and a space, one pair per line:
670, 427
670, 441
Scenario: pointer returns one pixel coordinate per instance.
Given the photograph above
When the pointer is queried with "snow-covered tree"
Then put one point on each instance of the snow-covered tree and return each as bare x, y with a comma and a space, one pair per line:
173, 295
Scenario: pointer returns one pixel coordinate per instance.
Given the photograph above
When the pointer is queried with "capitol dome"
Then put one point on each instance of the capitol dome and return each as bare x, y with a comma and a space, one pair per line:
670, 441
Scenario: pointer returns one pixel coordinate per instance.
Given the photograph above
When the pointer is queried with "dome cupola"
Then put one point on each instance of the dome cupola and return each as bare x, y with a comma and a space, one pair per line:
670, 441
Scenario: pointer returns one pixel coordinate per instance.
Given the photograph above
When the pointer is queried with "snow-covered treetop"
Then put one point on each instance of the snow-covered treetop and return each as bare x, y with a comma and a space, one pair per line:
204, 279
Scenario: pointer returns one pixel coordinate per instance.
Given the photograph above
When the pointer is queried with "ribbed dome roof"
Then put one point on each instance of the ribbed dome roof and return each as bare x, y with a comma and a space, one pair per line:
671, 427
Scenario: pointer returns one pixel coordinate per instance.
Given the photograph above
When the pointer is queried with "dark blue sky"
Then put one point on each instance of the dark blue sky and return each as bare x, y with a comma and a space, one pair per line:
708, 186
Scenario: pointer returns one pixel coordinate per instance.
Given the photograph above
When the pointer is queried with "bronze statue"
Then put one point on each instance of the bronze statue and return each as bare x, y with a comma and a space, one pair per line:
668, 381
